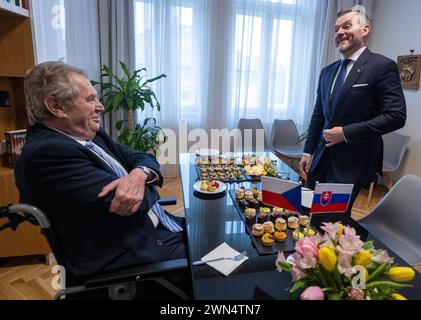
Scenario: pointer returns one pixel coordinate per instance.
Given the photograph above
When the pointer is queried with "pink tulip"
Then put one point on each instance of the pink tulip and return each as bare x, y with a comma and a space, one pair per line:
307, 246
313, 293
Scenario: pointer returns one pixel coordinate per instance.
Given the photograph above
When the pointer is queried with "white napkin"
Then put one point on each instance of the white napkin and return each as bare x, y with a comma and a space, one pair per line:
224, 266
306, 197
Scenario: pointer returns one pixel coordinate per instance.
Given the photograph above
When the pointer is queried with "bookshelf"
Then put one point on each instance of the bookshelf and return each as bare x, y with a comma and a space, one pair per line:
16, 57
13, 9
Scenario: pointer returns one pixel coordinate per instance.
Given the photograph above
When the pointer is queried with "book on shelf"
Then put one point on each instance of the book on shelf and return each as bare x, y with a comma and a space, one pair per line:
14, 144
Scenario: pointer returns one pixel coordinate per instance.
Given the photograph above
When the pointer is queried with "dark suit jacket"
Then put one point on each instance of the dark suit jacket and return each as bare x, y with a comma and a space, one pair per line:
365, 112
63, 178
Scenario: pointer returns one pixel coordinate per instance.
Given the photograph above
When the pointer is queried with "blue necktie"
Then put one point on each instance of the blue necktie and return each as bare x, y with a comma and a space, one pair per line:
120, 172
339, 83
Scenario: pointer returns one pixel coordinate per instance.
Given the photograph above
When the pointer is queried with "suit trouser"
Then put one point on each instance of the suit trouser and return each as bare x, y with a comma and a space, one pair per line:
324, 173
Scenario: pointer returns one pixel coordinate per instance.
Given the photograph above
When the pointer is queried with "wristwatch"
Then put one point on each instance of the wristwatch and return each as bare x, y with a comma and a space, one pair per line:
146, 170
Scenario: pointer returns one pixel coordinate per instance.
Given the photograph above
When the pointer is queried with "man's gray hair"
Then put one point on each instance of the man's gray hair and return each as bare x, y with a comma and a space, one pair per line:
45, 80
360, 10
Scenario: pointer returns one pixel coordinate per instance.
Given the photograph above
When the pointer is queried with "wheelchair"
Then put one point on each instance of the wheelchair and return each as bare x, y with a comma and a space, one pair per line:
133, 283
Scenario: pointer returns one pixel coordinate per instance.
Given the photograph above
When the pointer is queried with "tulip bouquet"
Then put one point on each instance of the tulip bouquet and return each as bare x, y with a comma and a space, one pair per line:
339, 266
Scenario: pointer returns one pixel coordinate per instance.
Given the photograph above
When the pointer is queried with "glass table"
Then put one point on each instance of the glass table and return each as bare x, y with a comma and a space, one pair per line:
214, 220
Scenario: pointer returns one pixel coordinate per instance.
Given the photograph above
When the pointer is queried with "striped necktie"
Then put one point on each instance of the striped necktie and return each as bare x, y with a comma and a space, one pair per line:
120, 172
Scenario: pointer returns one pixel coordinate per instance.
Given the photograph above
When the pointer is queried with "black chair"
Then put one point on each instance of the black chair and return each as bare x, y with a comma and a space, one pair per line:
252, 127
116, 285
285, 143
395, 145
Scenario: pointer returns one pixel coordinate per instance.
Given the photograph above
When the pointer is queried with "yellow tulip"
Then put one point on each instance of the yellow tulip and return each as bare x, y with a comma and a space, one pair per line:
363, 258
327, 258
398, 296
341, 230
401, 274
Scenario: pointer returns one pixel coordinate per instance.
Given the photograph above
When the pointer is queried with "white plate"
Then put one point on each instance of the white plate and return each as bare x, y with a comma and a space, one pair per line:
222, 187
207, 152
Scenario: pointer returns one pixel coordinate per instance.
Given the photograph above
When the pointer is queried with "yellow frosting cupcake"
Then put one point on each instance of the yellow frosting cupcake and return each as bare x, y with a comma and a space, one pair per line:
304, 220
268, 227
292, 222
280, 224
267, 240
297, 234
280, 236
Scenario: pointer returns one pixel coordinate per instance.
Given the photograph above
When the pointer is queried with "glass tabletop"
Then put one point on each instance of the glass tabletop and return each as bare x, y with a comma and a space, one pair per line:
213, 220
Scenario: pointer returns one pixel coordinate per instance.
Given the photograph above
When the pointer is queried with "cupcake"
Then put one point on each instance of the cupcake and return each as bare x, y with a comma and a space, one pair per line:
277, 212
257, 230
250, 213
252, 202
280, 236
248, 195
204, 185
280, 224
297, 234
293, 222
263, 214
268, 227
304, 220
267, 240
255, 192
239, 193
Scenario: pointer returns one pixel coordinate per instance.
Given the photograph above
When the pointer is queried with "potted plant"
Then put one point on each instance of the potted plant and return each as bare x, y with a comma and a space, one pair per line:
129, 93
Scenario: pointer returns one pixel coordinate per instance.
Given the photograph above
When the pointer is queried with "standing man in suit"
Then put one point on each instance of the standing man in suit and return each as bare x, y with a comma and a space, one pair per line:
99, 195
359, 98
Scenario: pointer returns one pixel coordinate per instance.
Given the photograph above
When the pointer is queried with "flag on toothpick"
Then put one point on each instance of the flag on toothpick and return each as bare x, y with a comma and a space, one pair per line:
331, 197
281, 193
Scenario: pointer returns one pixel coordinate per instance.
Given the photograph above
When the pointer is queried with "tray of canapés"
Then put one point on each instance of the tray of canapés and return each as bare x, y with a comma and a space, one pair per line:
272, 229
219, 168
256, 167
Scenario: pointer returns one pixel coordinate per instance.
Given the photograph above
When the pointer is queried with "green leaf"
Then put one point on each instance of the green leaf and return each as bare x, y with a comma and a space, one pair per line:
125, 69
367, 245
298, 285
119, 124
378, 272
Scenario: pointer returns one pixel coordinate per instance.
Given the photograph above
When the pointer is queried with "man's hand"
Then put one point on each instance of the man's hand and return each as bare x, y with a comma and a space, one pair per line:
305, 164
129, 192
333, 136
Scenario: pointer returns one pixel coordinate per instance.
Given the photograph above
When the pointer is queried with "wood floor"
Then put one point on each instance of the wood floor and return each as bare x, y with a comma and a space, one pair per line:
30, 278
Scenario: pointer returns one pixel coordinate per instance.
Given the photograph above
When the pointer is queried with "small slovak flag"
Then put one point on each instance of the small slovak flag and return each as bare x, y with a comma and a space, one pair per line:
281, 193
331, 197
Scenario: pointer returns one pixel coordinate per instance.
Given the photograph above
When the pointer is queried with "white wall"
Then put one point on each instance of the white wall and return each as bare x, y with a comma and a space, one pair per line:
396, 29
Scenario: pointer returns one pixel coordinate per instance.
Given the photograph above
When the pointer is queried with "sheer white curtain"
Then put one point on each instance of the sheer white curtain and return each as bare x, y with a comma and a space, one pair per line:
273, 59
67, 30
228, 59
172, 38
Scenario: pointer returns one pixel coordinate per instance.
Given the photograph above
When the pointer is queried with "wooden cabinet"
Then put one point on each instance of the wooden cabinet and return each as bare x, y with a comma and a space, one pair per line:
16, 57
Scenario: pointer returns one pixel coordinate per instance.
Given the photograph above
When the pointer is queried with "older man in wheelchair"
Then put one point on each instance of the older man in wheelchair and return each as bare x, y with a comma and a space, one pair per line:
99, 196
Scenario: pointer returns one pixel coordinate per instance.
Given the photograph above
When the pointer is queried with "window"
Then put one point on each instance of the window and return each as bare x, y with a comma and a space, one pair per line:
262, 57
167, 43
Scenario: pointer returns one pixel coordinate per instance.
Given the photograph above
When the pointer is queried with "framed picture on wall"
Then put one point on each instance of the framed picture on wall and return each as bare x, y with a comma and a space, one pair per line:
410, 71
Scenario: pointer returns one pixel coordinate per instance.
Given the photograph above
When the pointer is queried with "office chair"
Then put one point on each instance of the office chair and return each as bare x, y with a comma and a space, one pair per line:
117, 285
285, 142
395, 145
396, 219
253, 125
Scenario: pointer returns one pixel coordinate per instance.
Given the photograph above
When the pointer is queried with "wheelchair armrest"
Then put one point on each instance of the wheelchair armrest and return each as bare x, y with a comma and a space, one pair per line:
138, 273
167, 201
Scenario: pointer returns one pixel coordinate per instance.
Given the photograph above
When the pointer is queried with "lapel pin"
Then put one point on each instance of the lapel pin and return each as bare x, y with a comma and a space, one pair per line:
358, 70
